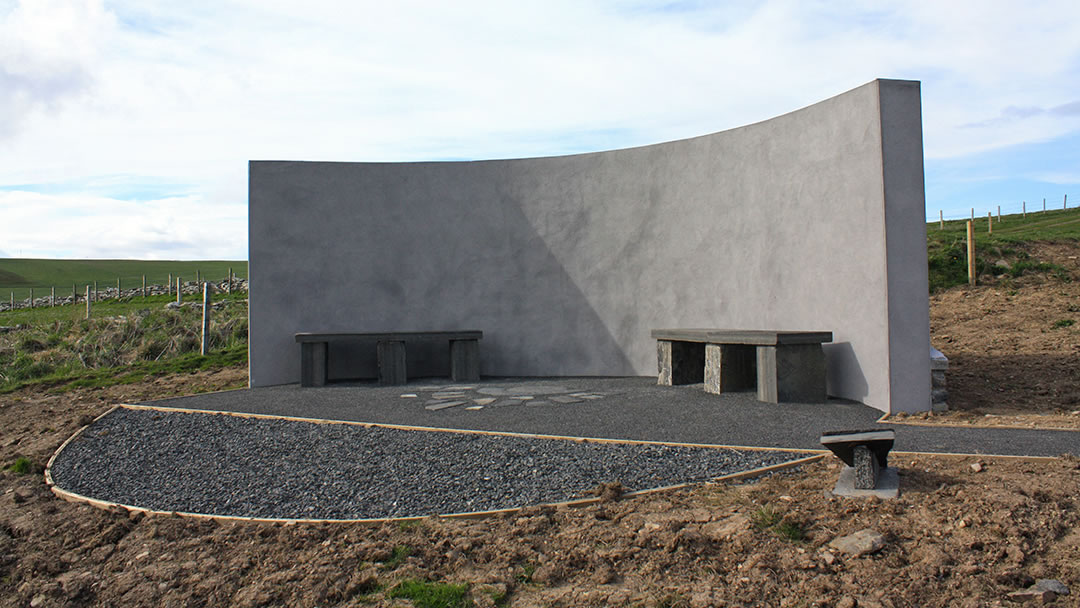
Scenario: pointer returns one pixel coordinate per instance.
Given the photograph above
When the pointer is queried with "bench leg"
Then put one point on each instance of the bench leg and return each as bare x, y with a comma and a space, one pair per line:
728, 367
680, 362
313, 363
791, 373
391, 355
465, 360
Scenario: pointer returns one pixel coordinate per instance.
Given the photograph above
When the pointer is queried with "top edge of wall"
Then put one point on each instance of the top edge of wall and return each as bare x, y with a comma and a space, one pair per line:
875, 82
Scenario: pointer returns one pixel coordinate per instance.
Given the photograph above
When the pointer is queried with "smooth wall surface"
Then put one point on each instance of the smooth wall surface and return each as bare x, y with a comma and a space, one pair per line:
813, 220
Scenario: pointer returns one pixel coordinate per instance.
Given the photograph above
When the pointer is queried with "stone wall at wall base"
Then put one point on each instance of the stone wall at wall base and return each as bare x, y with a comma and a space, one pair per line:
810, 221
939, 394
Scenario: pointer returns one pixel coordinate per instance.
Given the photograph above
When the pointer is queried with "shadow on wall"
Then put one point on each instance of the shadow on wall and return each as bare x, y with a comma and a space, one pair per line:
498, 273
840, 356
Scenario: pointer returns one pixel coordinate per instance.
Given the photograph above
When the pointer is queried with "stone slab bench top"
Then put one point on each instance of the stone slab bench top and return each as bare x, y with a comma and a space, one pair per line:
743, 336
467, 334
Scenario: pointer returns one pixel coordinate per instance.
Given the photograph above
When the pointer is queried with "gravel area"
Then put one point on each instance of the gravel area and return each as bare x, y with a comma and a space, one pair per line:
227, 465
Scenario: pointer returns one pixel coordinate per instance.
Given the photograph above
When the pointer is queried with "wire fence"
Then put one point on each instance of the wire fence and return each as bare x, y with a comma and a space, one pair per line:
997, 211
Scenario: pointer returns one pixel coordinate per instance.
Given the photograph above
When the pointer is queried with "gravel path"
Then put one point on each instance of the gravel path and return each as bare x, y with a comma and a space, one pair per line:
226, 465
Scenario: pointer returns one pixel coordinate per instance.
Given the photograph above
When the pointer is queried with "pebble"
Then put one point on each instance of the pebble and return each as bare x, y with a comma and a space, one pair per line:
228, 465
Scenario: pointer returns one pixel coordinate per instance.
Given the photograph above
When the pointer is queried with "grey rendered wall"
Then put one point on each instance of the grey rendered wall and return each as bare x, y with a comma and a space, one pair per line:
812, 220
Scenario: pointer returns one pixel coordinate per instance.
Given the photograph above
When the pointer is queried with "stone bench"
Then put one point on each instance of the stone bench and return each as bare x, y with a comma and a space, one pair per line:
782, 365
390, 350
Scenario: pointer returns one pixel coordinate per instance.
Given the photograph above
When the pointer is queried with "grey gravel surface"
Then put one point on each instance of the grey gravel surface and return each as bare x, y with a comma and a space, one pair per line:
631, 408
228, 465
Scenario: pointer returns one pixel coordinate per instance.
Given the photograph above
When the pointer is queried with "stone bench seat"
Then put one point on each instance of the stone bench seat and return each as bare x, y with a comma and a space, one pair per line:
781, 365
390, 350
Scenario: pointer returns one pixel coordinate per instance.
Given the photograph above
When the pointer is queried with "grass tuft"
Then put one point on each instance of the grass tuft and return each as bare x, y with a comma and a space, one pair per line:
23, 466
432, 595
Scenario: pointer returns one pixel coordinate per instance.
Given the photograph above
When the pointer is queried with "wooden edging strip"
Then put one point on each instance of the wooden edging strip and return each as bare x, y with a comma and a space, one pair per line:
814, 456
952, 425
581, 502
405, 427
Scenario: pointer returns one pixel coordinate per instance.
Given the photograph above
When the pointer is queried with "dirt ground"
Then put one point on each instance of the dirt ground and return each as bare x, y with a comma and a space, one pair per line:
964, 532
1013, 347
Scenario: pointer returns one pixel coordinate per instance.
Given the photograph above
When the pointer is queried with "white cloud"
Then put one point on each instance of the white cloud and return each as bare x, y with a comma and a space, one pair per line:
81, 226
190, 91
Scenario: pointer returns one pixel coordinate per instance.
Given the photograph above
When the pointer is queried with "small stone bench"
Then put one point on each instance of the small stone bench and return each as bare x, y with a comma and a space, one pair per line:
390, 350
782, 365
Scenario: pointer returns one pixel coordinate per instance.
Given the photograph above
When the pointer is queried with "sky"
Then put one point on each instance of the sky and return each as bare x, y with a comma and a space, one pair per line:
126, 127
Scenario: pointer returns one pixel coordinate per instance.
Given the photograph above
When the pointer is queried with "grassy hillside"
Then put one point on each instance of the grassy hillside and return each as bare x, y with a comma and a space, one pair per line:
19, 275
1000, 253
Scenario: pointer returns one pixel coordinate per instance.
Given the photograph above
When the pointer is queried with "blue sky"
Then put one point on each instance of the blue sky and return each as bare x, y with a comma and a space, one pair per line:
126, 127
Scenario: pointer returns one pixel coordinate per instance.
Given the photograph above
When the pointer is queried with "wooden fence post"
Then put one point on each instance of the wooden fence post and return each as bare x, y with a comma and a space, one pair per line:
198, 276
119, 292
74, 296
1024, 210
95, 291
1065, 202
1044, 204
31, 297
52, 297
87, 300
990, 222
971, 253
228, 288
973, 214
999, 214
168, 286
144, 286
12, 300
179, 291
941, 219
205, 348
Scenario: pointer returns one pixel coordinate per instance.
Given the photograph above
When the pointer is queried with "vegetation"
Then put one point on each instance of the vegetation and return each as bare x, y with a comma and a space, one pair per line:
1000, 253
432, 595
767, 518
18, 275
23, 466
130, 341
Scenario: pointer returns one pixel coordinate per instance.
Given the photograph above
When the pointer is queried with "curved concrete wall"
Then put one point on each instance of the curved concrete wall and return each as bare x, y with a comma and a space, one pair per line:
813, 220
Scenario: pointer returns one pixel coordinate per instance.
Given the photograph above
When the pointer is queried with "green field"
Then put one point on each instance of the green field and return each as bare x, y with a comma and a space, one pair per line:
947, 247
19, 275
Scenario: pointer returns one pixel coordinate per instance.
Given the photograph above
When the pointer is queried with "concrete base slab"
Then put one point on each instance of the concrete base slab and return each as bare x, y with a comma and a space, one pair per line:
888, 484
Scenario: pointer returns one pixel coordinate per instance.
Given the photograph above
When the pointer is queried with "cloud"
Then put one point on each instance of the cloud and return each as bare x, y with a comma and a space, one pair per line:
86, 226
48, 50
1014, 114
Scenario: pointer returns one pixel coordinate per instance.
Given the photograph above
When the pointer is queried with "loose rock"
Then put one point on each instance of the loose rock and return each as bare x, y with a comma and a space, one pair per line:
862, 542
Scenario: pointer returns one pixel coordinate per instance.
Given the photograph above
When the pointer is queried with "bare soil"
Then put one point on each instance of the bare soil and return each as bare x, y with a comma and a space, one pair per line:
1013, 347
964, 532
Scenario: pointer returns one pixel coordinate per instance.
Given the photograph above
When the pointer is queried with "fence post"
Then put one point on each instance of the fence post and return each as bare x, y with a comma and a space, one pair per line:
144, 286
168, 286
31, 297
52, 297
198, 276
971, 252
205, 319
95, 291
999, 214
941, 219
119, 292
973, 214
12, 300
87, 300
1025, 210
179, 291
1044, 204
1065, 202
74, 296
990, 222
228, 288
